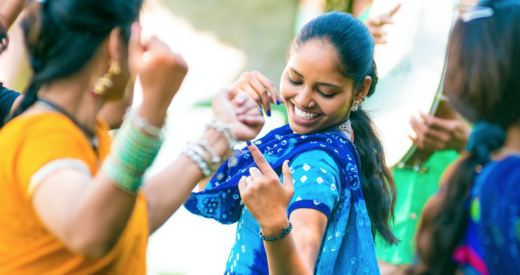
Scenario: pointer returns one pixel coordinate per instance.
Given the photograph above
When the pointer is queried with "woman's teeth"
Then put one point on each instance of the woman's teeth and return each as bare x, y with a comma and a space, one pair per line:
301, 114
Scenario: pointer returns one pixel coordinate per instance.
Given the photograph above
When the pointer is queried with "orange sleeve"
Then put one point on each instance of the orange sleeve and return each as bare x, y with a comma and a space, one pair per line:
47, 140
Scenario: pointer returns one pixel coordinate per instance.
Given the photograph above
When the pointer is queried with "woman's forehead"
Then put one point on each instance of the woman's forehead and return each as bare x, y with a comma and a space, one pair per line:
316, 60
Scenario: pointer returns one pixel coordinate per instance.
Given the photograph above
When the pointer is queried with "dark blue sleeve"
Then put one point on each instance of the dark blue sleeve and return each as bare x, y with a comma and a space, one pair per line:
7, 98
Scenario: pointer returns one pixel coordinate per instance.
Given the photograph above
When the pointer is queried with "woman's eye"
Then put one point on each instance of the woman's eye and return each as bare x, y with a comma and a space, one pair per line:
326, 95
294, 82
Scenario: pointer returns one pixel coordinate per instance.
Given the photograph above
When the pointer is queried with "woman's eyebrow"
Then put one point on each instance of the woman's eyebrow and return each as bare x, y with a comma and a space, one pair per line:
296, 72
319, 83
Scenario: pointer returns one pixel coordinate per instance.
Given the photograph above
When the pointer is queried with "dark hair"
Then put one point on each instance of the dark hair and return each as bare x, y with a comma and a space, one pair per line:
63, 35
355, 49
4, 39
483, 85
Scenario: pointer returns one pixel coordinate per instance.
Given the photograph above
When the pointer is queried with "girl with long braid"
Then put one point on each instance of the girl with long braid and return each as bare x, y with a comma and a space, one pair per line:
337, 192
70, 202
473, 223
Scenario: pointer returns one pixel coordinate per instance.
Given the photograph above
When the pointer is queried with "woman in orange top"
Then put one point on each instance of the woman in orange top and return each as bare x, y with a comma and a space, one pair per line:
71, 203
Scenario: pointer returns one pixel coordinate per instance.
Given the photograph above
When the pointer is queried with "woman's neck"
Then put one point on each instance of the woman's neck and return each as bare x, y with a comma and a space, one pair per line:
513, 138
73, 96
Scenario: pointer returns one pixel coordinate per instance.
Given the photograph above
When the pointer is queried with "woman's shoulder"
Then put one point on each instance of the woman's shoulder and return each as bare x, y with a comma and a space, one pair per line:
315, 156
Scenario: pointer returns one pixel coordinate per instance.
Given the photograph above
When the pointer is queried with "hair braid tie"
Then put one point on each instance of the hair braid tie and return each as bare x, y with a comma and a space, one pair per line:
485, 138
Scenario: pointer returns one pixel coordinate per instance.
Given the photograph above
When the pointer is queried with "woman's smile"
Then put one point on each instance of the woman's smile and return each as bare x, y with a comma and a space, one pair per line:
303, 117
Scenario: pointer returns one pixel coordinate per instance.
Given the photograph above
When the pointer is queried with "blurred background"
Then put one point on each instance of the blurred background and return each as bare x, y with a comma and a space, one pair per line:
220, 39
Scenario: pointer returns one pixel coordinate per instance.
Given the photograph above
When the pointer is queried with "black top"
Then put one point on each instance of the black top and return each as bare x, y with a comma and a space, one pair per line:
7, 98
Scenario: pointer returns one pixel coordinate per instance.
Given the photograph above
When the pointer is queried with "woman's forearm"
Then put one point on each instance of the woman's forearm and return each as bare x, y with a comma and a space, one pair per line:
284, 259
168, 190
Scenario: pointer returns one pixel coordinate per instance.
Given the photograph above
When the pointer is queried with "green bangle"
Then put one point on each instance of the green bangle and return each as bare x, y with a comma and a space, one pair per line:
131, 154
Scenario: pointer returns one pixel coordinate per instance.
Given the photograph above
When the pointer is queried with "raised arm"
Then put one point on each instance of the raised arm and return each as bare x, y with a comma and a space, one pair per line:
267, 200
88, 214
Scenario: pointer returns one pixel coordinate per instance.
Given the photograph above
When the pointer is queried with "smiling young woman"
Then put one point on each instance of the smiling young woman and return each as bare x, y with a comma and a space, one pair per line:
337, 191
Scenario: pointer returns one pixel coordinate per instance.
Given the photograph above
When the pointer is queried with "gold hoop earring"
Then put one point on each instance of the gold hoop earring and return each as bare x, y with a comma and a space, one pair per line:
105, 82
355, 105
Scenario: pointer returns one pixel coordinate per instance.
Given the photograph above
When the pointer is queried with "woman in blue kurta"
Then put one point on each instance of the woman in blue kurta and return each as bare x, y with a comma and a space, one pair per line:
473, 223
343, 192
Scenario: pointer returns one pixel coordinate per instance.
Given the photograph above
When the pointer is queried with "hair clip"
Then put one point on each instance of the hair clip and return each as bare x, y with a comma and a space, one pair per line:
486, 9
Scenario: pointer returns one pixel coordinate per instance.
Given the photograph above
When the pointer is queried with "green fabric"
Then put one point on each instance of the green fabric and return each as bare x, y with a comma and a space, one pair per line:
414, 188
338, 5
363, 17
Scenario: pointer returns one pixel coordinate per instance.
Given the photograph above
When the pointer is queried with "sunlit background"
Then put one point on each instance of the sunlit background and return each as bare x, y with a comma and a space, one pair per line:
220, 39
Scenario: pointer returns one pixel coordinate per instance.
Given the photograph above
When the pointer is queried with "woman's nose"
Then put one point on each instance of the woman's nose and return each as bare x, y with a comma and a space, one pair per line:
304, 98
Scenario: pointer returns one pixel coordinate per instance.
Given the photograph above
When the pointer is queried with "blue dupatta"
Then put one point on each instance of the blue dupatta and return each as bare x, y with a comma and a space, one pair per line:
221, 199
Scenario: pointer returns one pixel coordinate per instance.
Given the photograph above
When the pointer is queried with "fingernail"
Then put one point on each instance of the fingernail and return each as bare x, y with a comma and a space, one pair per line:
269, 113
277, 102
240, 99
248, 143
260, 110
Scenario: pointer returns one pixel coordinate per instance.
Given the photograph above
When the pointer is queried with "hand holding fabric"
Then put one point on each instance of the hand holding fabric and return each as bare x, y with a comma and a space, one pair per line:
264, 195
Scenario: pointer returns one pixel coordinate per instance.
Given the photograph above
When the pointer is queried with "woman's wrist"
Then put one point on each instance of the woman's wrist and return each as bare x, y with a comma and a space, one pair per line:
274, 227
216, 140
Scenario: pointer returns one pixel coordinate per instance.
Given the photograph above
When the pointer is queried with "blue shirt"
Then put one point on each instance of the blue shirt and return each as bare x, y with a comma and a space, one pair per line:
347, 246
316, 177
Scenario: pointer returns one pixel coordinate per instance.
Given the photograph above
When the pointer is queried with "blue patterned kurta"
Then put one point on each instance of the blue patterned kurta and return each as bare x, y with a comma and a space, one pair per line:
347, 246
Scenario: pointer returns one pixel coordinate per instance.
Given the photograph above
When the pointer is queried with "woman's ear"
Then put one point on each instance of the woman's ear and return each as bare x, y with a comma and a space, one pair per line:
362, 91
115, 45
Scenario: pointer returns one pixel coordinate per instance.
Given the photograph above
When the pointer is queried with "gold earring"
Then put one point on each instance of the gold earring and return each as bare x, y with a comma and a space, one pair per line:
355, 105
105, 82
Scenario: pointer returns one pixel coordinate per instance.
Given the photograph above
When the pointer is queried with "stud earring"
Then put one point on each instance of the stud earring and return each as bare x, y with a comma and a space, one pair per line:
105, 82
310, 104
355, 105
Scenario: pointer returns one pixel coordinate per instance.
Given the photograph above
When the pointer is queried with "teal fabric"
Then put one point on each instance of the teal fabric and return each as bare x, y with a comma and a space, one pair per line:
314, 172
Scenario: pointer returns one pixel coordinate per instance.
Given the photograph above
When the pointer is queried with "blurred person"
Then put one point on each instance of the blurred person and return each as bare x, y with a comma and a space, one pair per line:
440, 138
71, 204
337, 191
360, 9
472, 225
112, 113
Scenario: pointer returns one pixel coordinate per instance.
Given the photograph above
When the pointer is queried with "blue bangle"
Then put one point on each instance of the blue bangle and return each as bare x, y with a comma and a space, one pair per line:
285, 231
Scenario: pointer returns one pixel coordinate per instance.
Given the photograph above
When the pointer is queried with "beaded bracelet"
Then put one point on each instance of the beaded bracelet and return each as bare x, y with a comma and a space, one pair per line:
215, 160
285, 231
198, 159
131, 154
226, 130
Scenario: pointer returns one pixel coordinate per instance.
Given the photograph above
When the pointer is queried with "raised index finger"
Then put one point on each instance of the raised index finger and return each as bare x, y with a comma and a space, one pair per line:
394, 10
262, 164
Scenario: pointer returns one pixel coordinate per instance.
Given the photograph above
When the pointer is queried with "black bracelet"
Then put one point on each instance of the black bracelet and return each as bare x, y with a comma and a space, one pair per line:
285, 231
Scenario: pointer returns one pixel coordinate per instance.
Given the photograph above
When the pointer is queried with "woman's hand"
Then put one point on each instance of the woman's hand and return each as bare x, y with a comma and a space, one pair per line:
161, 72
264, 195
434, 134
376, 25
260, 89
239, 109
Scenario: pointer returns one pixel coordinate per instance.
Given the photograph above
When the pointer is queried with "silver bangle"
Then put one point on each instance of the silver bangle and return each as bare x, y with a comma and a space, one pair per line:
199, 160
226, 130
215, 160
143, 124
